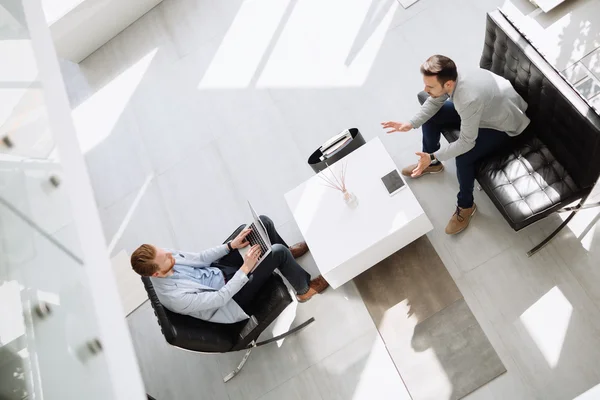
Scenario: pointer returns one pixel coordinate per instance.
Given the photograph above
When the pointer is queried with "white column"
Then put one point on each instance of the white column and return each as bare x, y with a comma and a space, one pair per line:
114, 334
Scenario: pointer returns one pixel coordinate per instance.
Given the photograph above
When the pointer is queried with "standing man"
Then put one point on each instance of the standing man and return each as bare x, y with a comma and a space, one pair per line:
485, 107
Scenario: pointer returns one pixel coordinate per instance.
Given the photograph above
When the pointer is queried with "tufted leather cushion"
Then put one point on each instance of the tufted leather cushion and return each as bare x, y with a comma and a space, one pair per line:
527, 183
194, 334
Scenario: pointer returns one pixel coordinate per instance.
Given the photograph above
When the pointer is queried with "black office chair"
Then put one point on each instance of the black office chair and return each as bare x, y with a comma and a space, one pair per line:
193, 334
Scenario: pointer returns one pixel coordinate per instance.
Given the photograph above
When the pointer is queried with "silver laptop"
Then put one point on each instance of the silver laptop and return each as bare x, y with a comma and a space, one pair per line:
257, 236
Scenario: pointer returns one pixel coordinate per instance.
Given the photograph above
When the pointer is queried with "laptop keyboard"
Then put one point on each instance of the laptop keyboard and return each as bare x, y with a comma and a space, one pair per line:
255, 238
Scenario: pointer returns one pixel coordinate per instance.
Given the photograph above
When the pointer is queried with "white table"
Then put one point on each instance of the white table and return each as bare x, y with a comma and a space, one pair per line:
343, 241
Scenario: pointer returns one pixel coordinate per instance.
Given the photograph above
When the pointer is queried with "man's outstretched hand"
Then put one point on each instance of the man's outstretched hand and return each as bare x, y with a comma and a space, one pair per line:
424, 162
240, 240
397, 126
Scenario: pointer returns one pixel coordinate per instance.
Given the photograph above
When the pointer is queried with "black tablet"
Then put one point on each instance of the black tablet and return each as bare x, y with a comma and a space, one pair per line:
393, 182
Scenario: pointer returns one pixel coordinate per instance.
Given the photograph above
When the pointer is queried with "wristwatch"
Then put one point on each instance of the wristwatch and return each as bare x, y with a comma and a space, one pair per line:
432, 157
229, 246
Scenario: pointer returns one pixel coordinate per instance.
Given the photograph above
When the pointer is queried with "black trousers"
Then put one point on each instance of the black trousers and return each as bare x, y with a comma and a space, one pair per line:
488, 141
280, 258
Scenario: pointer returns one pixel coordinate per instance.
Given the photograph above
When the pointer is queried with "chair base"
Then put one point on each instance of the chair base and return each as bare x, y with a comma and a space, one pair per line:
253, 344
236, 371
573, 211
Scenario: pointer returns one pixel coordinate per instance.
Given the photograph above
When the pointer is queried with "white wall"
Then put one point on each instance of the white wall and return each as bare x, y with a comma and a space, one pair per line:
92, 23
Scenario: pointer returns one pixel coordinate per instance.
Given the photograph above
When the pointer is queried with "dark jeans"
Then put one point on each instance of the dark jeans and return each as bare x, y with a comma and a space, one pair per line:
488, 140
280, 258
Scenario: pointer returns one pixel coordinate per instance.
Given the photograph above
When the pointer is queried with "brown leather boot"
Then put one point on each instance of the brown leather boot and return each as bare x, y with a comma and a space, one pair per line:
432, 169
460, 220
319, 284
303, 298
299, 249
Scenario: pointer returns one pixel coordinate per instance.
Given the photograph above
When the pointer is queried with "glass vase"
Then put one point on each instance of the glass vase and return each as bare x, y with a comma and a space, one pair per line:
350, 199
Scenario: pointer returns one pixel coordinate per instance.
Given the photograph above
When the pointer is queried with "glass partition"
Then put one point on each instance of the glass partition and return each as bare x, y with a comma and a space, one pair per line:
49, 334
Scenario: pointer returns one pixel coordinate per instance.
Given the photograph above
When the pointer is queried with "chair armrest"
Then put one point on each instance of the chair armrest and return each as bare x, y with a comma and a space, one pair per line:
235, 233
249, 327
266, 307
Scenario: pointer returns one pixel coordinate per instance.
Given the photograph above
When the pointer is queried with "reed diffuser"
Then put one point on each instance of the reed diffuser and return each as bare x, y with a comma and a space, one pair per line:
339, 183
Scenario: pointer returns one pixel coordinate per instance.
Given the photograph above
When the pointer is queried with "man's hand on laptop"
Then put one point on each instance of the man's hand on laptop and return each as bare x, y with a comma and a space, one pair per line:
240, 240
251, 259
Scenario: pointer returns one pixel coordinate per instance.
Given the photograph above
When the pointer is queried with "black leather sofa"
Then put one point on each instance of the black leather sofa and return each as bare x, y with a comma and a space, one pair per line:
556, 161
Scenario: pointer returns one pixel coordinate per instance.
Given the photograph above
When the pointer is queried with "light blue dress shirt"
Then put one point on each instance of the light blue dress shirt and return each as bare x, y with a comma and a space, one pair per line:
189, 297
198, 272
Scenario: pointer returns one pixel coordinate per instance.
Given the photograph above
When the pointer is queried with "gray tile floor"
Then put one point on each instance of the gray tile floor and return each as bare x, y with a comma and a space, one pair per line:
431, 334
461, 348
216, 102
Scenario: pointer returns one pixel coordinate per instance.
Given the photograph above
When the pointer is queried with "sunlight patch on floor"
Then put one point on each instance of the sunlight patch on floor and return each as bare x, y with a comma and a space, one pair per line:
244, 44
547, 322
321, 44
318, 54
585, 223
96, 117
591, 394
378, 368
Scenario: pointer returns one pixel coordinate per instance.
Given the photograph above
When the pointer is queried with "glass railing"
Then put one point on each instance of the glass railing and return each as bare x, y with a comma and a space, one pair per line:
50, 345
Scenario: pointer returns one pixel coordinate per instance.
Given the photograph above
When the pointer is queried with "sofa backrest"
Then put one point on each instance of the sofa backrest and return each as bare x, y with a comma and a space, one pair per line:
559, 116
